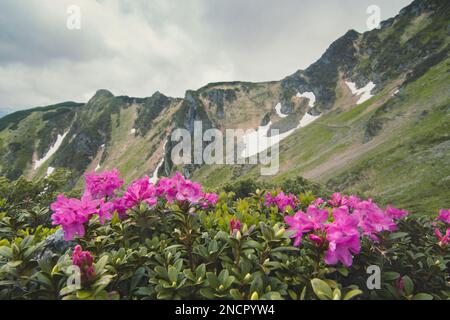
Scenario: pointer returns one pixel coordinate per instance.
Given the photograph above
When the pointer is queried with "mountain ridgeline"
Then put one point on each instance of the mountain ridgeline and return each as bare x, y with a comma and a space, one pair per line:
371, 116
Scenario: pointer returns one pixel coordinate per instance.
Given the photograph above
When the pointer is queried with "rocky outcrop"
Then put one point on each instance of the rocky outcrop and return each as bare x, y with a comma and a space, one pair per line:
218, 97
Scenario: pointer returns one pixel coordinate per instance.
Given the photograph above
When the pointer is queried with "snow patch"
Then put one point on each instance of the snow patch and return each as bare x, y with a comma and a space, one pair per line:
364, 92
278, 111
258, 141
97, 168
308, 95
133, 131
307, 119
154, 178
52, 150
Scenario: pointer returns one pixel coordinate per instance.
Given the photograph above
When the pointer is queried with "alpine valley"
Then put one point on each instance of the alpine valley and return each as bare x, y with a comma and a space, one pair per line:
371, 116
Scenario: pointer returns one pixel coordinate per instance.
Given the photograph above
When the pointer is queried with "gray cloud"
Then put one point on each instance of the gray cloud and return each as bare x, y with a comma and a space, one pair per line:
137, 47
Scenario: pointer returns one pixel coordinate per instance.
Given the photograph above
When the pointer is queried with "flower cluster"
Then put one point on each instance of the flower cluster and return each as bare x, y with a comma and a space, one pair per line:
84, 261
72, 214
180, 189
100, 198
444, 217
235, 225
104, 184
351, 219
281, 200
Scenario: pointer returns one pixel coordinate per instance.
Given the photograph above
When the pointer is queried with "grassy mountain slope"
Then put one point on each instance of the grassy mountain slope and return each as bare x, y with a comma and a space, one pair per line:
406, 160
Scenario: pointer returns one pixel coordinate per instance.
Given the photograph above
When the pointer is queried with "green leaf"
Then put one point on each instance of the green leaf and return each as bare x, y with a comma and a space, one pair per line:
397, 235
343, 271
66, 290
223, 275
228, 282
273, 295
254, 296
388, 276
100, 265
336, 294
172, 273
292, 294
161, 272
164, 295
321, 289
175, 246
200, 270
179, 265
353, 293
212, 279
15, 263
207, 293
303, 294
6, 252
257, 284
423, 296
409, 285
84, 295
236, 295
102, 283
115, 219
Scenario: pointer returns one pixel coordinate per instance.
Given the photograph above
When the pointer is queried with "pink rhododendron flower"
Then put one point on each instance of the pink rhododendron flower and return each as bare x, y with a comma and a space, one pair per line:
353, 201
337, 200
373, 220
140, 190
180, 189
84, 260
444, 216
189, 191
121, 206
106, 211
443, 239
167, 187
318, 202
396, 213
235, 225
103, 184
281, 200
343, 238
301, 222
210, 199
72, 214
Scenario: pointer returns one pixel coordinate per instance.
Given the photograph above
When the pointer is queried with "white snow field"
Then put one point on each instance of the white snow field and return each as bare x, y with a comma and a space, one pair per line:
258, 141
154, 178
51, 151
364, 92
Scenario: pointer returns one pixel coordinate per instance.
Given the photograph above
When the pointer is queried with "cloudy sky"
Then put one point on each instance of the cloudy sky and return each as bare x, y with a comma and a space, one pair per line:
136, 47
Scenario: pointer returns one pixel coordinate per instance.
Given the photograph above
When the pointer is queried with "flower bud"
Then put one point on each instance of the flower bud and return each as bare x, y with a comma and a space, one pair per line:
280, 233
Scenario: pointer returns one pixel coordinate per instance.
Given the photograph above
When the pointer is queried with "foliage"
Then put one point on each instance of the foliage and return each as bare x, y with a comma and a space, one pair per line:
188, 249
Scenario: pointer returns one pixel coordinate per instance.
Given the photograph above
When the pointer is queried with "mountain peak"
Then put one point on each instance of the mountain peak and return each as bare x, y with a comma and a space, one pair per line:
103, 93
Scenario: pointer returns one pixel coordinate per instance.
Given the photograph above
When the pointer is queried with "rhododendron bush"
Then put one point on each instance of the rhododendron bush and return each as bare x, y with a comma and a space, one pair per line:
175, 240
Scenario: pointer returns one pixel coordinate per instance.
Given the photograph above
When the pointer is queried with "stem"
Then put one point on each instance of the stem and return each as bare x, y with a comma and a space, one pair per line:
238, 253
189, 241
317, 266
